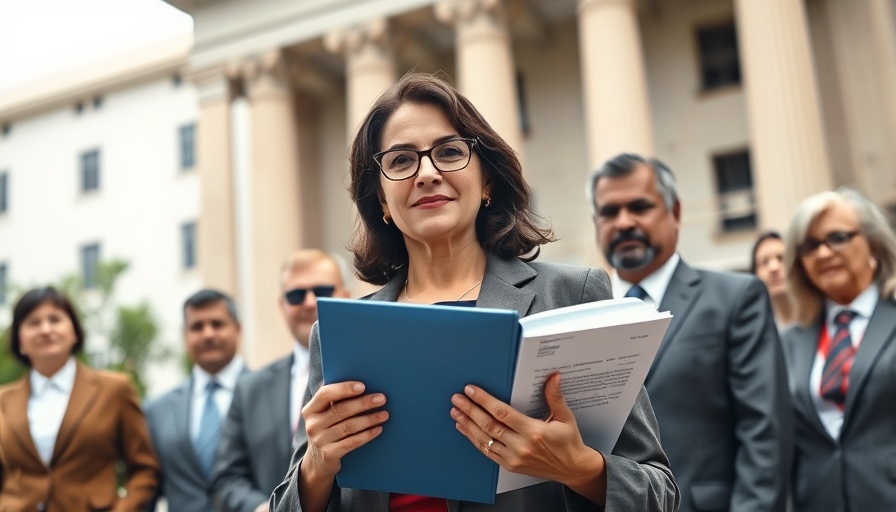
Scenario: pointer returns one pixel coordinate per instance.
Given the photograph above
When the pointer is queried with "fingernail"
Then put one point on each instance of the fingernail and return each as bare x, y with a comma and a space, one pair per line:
357, 387
378, 399
469, 390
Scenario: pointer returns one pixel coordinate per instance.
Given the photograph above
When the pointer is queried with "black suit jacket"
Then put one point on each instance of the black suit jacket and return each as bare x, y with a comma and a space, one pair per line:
856, 472
719, 389
637, 474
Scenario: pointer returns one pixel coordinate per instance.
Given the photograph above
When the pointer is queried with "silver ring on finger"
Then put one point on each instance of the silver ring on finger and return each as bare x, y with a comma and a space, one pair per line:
488, 446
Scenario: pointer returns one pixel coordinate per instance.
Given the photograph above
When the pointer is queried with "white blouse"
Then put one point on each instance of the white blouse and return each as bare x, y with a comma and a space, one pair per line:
46, 407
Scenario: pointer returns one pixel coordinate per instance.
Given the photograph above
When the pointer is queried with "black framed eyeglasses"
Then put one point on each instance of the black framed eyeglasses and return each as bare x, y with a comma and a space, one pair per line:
296, 296
403, 164
835, 240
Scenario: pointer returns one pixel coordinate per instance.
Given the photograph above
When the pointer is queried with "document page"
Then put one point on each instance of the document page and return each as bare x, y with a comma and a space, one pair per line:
603, 351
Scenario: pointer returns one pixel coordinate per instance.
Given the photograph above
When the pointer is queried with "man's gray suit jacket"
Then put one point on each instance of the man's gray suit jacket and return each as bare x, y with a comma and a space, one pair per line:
638, 477
719, 390
857, 471
181, 480
256, 439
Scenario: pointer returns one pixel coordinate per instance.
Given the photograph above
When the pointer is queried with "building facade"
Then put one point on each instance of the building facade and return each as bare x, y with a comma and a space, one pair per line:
755, 104
99, 164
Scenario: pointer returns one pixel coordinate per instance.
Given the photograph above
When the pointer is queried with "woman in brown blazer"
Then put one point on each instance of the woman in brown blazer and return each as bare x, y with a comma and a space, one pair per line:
64, 427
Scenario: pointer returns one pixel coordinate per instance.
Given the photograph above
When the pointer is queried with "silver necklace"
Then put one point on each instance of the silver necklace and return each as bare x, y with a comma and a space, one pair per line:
408, 297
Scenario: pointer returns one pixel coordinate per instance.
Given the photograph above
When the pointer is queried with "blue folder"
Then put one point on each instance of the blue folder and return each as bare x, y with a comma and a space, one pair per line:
418, 356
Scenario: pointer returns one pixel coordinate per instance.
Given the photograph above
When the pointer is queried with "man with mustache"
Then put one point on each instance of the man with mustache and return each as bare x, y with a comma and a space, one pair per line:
185, 422
256, 438
718, 383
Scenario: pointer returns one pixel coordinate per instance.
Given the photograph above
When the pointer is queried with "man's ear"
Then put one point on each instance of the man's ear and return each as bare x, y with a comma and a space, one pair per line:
676, 212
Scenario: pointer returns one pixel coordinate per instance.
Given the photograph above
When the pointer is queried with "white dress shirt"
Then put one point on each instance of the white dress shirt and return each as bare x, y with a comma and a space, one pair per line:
299, 381
863, 305
46, 406
226, 378
655, 284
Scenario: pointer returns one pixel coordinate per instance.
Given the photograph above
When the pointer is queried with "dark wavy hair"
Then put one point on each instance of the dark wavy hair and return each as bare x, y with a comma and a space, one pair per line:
30, 301
509, 227
768, 235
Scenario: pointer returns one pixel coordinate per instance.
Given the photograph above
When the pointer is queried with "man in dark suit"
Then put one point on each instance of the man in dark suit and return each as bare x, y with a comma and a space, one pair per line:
185, 422
256, 438
718, 384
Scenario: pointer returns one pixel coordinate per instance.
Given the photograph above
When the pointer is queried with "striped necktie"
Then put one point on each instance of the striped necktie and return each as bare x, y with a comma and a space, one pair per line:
209, 427
835, 376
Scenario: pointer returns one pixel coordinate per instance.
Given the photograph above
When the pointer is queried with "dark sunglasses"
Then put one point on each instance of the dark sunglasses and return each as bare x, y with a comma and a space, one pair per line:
835, 241
296, 296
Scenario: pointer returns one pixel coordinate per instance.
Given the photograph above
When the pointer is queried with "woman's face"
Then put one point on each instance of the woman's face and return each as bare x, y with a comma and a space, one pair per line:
432, 207
770, 266
47, 336
847, 269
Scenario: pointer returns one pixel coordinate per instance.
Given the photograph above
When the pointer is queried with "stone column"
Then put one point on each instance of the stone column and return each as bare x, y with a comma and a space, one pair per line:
787, 141
486, 73
614, 80
275, 226
369, 67
216, 247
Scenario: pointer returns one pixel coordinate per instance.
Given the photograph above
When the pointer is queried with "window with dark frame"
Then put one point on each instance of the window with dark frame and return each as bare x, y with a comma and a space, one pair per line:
188, 245
187, 137
90, 170
522, 108
4, 282
734, 187
4, 191
90, 260
719, 57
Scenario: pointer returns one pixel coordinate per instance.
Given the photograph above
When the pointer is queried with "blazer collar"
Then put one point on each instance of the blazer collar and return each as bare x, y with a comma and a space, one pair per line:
182, 402
16, 397
500, 285
81, 400
880, 331
805, 347
680, 293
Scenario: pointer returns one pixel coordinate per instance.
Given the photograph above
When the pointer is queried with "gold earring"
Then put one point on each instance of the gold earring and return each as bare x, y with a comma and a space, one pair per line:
386, 219
488, 201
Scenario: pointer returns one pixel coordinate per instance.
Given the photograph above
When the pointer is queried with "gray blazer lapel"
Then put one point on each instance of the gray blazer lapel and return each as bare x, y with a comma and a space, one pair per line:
804, 348
680, 293
280, 396
501, 285
879, 333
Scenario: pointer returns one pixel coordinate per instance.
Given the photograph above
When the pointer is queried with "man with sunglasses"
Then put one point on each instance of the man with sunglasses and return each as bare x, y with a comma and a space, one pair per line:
256, 439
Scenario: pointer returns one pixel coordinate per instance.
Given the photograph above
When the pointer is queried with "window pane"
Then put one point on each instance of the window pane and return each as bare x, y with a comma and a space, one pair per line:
734, 186
90, 170
187, 146
4, 191
719, 60
188, 244
90, 257
3, 282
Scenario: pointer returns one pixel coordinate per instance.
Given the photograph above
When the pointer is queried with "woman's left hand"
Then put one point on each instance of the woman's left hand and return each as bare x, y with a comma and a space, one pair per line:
552, 449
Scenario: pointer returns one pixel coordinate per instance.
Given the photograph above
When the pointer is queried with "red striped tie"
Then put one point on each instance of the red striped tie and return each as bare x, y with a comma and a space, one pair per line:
835, 376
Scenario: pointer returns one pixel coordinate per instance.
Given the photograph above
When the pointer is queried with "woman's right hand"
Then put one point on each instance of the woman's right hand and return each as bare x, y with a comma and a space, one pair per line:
339, 419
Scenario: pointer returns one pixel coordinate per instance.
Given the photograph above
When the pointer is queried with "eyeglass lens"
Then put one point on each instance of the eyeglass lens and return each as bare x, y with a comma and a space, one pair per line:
836, 241
449, 156
296, 296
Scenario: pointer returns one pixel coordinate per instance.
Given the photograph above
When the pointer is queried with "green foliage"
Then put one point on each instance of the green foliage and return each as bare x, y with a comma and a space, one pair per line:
132, 331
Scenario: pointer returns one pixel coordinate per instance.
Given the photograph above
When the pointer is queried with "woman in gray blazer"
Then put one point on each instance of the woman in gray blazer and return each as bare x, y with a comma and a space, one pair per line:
841, 264
446, 219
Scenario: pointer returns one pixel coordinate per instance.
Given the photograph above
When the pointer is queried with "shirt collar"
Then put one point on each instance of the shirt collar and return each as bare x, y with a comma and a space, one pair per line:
63, 379
226, 378
864, 304
300, 357
655, 284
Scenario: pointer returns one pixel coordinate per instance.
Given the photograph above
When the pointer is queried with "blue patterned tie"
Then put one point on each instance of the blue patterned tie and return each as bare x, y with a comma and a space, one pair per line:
835, 376
637, 292
209, 427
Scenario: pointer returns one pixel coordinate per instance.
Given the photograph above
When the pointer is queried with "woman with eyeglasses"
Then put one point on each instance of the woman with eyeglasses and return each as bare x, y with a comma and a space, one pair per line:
841, 263
446, 220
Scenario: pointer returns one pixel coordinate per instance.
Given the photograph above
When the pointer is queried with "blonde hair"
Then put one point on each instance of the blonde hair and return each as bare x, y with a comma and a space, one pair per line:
873, 226
305, 258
